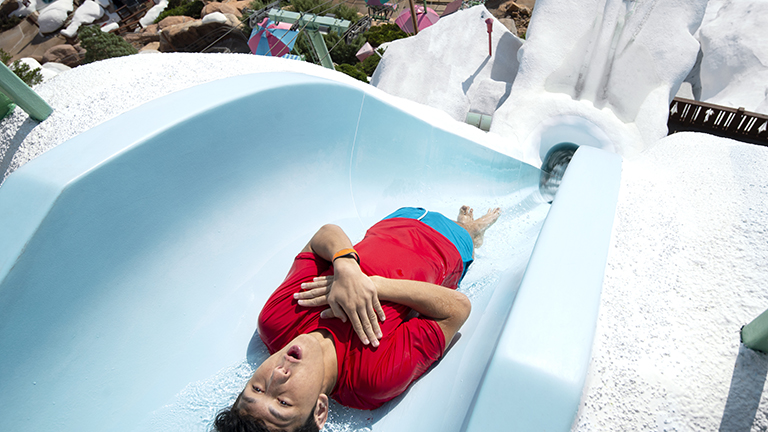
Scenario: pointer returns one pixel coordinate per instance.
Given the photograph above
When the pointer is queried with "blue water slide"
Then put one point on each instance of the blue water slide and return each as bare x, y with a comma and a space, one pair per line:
134, 258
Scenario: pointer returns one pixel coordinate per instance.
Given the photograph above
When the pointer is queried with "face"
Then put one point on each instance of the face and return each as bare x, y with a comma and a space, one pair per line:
287, 385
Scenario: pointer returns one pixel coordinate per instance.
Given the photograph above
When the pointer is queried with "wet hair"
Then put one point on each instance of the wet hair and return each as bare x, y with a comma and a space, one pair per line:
230, 420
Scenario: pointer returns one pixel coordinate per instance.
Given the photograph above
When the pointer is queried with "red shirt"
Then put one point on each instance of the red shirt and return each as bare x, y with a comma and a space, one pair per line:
394, 248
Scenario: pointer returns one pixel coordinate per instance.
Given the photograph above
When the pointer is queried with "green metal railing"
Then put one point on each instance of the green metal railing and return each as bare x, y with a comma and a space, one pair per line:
755, 334
16, 92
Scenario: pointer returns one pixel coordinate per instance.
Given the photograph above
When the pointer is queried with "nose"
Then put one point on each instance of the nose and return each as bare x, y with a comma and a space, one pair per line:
280, 374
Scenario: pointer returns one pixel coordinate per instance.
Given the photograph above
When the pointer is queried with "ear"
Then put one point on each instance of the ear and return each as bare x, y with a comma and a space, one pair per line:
321, 410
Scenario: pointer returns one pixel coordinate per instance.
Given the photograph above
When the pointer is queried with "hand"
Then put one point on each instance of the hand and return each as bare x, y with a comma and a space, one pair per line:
350, 295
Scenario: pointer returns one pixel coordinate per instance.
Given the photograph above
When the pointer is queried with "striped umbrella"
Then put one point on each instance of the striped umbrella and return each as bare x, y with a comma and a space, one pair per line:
423, 18
272, 39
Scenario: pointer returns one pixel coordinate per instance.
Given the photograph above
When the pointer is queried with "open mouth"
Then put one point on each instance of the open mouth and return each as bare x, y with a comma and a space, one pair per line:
294, 352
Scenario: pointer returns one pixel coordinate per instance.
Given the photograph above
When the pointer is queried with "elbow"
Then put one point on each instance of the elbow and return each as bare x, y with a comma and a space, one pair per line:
329, 228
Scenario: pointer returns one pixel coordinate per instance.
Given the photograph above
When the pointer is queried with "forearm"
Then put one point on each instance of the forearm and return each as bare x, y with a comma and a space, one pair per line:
328, 240
430, 300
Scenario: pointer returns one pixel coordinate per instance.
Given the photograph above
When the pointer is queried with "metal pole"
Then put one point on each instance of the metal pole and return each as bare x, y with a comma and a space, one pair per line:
23, 96
413, 17
755, 334
320, 48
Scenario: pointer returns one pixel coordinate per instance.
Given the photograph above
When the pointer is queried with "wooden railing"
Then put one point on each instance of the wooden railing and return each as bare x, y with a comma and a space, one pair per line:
739, 124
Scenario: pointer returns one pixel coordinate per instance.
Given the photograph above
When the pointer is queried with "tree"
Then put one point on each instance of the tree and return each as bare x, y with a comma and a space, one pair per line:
22, 70
100, 45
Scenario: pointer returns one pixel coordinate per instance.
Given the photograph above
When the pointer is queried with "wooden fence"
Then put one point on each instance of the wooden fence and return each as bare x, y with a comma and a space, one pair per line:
693, 116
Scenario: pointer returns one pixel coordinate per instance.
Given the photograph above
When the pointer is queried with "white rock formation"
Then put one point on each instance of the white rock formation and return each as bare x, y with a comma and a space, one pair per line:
48, 70
217, 17
610, 62
153, 13
53, 16
87, 13
734, 45
109, 27
447, 65
26, 9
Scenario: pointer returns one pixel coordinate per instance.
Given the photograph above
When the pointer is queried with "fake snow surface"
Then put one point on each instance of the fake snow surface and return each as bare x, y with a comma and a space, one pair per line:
734, 46
687, 267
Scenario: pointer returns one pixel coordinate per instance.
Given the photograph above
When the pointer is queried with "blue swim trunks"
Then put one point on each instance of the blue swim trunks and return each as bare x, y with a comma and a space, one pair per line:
448, 228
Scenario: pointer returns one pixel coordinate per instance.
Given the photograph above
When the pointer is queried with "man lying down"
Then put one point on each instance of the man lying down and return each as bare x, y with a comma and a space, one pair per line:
342, 324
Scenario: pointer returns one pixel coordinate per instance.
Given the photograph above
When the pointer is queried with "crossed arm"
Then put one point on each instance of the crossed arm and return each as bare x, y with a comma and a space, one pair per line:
350, 294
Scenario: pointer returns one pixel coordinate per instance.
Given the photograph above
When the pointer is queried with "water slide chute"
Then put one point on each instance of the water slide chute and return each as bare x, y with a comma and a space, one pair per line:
135, 257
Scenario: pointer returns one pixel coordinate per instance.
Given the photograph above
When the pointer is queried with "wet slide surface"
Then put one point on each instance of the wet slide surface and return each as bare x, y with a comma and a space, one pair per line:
133, 265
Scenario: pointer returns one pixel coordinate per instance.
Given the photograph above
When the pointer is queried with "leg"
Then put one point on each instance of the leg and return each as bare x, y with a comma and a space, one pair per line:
477, 227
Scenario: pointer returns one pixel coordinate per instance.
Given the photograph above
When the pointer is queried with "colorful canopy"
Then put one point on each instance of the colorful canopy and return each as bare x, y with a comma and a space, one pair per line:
424, 19
272, 39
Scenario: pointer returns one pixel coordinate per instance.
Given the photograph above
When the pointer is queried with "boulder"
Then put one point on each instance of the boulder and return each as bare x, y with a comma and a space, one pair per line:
214, 17
139, 40
509, 23
238, 4
8, 7
151, 29
152, 47
65, 54
87, 13
173, 21
196, 35
220, 7
504, 10
53, 16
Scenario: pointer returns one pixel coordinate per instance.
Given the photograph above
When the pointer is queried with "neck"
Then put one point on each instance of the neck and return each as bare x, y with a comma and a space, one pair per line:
330, 361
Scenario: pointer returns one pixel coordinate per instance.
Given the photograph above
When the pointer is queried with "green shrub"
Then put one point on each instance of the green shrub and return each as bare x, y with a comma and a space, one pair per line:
22, 70
340, 51
99, 45
9, 22
187, 8
353, 72
27, 74
369, 64
341, 11
377, 35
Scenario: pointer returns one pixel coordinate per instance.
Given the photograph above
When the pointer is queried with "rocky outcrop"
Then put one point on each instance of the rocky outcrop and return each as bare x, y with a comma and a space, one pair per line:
220, 7
66, 54
141, 39
8, 7
195, 36
238, 4
502, 10
173, 20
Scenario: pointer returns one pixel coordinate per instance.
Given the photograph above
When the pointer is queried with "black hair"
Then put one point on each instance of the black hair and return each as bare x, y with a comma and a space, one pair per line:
231, 420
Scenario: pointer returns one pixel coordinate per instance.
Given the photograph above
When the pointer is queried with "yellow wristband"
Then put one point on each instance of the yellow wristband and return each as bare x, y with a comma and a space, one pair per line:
345, 253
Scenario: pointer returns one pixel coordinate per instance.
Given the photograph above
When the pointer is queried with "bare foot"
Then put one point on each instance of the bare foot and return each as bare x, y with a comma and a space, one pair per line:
477, 228
465, 215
